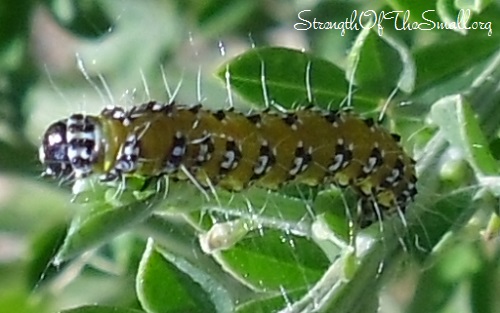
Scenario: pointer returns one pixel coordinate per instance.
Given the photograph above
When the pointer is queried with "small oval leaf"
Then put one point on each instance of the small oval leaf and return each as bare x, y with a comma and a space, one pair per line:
461, 128
162, 288
289, 78
275, 261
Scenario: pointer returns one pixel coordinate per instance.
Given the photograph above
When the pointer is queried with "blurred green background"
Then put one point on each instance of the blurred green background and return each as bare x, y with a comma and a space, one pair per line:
59, 57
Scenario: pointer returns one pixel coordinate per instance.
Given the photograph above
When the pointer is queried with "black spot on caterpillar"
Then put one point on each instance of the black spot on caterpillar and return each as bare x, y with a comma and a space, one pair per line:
233, 150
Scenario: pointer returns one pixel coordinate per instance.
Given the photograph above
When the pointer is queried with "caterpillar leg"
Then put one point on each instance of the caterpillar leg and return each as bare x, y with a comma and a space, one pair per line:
369, 212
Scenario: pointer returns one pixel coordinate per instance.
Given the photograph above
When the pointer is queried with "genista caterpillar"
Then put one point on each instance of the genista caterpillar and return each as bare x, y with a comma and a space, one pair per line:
233, 150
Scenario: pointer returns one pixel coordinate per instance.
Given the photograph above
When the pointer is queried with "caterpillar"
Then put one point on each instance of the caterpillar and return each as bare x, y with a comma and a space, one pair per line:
234, 150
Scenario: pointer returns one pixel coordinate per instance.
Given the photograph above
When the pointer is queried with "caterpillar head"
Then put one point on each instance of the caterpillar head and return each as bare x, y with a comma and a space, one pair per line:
71, 146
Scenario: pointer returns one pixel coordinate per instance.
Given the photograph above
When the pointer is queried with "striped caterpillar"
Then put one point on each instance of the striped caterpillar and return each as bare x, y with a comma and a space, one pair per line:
234, 150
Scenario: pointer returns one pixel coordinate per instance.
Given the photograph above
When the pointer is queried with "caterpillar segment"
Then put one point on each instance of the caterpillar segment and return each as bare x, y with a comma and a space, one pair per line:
233, 150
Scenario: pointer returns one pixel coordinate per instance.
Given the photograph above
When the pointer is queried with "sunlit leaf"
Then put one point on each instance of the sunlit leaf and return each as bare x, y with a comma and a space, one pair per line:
162, 288
289, 78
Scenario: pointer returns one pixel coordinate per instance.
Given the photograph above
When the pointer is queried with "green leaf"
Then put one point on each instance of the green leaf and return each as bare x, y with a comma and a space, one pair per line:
273, 208
376, 64
456, 120
288, 78
101, 219
177, 243
461, 53
43, 249
333, 205
162, 287
217, 294
275, 261
100, 309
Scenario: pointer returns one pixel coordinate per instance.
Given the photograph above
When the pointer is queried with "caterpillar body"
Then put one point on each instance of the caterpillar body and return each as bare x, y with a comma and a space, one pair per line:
234, 150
